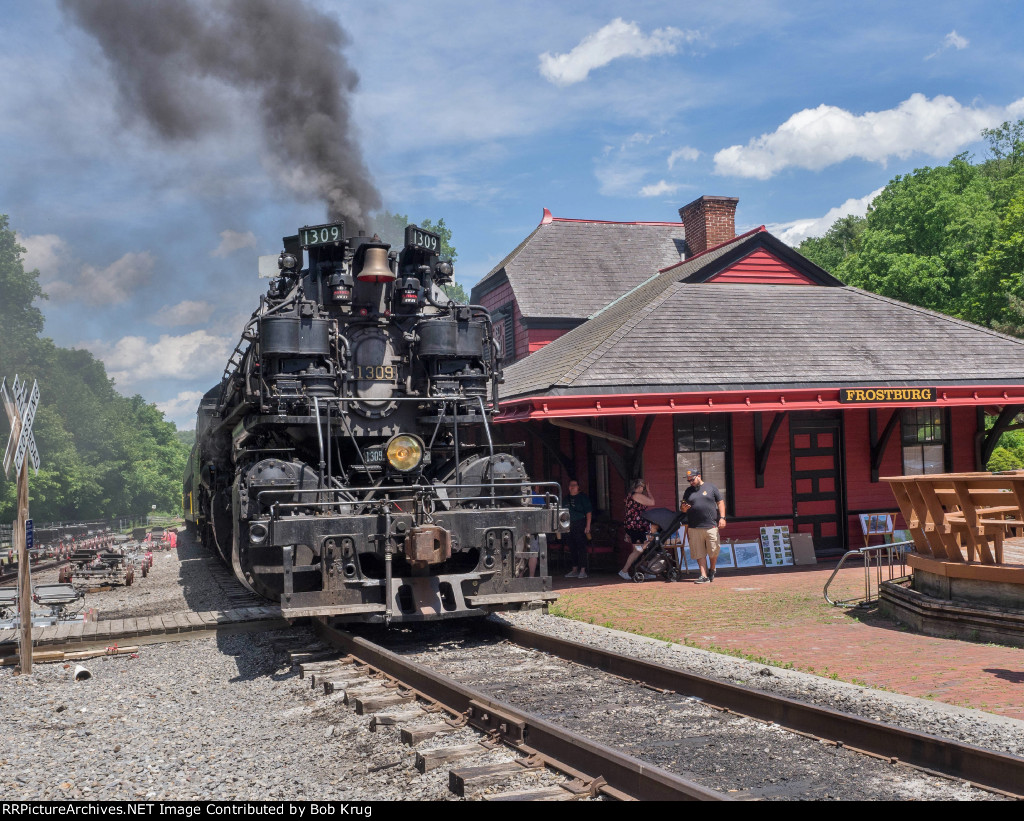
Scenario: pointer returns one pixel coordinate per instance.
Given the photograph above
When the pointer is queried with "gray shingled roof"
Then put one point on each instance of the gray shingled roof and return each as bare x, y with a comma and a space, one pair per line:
669, 335
570, 268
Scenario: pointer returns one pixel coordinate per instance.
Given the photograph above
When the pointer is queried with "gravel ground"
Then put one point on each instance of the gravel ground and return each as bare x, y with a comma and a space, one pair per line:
226, 718
187, 578
213, 718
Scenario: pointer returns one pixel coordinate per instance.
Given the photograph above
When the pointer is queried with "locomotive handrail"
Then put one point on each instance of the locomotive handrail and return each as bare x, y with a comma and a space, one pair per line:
266, 497
289, 505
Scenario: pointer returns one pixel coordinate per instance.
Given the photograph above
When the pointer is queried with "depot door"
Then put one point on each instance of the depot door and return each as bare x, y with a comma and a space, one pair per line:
816, 454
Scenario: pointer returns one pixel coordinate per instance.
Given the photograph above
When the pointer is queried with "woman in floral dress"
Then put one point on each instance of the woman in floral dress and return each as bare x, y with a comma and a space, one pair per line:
637, 527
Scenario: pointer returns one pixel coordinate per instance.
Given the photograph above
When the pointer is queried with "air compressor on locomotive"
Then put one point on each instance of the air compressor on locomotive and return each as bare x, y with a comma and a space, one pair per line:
345, 464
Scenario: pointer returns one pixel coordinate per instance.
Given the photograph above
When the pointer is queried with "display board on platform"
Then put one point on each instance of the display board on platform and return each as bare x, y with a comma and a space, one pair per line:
747, 554
876, 524
776, 546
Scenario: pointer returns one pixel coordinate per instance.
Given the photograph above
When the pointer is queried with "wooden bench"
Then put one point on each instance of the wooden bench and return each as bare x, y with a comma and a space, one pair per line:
951, 513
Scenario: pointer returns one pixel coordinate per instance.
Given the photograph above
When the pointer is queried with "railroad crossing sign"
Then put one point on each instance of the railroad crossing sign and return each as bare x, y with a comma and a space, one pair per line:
21, 412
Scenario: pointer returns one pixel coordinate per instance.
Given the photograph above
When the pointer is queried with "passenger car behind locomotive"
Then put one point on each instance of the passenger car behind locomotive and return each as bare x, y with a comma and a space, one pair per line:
345, 464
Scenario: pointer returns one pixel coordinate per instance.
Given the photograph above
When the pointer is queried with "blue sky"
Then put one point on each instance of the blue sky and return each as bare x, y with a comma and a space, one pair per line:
480, 113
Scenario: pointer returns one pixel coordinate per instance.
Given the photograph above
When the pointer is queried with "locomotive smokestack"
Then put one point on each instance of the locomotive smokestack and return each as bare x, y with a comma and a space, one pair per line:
285, 52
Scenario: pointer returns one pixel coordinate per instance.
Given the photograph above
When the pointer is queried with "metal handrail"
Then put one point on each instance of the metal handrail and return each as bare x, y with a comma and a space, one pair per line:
868, 554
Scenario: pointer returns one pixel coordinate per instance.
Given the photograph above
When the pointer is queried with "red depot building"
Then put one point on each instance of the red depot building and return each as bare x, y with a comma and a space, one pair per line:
650, 348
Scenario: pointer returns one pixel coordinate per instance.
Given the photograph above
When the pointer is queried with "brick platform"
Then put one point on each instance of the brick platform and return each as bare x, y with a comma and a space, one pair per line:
780, 617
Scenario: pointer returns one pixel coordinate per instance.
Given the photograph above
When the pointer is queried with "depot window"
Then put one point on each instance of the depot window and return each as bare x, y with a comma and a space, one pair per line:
702, 443
924, 441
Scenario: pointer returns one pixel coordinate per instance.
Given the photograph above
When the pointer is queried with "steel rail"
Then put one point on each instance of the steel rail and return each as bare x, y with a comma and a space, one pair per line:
986, 768
622, 773
47, 565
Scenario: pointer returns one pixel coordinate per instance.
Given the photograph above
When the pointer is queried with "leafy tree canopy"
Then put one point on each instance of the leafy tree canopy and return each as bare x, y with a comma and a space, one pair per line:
102, 454
391, 228
949, 238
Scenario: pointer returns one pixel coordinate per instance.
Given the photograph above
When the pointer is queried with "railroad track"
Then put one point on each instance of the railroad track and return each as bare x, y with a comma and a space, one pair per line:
12, 576
688, 716
810, 752
427, 705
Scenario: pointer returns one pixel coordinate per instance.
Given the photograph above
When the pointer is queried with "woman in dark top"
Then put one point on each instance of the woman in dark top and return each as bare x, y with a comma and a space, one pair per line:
637, 527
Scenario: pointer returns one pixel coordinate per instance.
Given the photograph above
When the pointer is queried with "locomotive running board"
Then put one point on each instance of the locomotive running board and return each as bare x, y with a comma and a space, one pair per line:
511, 598
331, 610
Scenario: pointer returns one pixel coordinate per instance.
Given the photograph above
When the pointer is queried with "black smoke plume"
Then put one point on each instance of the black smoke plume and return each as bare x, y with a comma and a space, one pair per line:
283, 51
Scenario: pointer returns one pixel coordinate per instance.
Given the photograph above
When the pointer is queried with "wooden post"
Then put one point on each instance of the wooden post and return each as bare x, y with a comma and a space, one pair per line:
24, 573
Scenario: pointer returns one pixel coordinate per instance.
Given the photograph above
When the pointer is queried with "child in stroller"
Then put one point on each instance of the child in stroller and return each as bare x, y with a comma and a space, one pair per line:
657, 561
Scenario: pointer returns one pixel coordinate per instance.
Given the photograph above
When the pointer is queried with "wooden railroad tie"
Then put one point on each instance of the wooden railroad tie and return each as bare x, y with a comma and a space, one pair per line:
414, 735
390, 719
432, 759
371, 704
483, 776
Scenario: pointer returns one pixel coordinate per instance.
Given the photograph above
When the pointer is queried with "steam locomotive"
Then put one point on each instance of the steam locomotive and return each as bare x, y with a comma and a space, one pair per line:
345, 465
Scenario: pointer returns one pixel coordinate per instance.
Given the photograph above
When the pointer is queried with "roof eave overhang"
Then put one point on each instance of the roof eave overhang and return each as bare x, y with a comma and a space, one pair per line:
745, 401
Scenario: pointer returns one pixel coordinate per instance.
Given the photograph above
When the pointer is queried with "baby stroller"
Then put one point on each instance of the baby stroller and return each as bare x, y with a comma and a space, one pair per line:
658, 561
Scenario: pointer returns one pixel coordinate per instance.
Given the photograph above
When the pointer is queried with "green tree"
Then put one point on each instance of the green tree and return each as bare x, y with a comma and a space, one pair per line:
20, 319
391, 228
1004, 459
102, 453
447, 249
998, 282
950, 239
842, 240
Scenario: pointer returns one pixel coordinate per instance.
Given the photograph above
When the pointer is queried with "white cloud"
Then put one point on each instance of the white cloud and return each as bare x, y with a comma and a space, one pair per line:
658, 189
951, 40
617, 39
194, 356
818, 137
796, 231
47, 252
112, 285
231, 241
182, 408
189, 312
687, 153
625, 170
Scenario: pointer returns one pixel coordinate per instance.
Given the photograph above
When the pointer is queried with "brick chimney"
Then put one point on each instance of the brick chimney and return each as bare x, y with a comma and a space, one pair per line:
708, 221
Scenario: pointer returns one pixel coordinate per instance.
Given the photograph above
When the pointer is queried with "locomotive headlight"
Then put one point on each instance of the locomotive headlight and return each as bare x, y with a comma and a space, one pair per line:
405, 452
287, 262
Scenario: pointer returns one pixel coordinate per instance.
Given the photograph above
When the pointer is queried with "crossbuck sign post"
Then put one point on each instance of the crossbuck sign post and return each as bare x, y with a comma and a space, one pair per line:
21, 449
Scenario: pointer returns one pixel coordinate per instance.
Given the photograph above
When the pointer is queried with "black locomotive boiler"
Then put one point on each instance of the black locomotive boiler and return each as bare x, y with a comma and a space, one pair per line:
345, 464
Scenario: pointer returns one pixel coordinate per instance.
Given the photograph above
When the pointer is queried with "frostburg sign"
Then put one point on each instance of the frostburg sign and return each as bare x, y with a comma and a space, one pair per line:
865, 396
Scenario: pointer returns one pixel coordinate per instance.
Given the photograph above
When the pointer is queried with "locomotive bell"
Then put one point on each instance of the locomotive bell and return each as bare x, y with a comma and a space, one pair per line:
376, 267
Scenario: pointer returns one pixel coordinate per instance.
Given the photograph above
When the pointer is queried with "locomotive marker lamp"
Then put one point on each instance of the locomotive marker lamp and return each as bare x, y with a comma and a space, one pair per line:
409, 292
443, 272
341, 288
287, 263
405, 452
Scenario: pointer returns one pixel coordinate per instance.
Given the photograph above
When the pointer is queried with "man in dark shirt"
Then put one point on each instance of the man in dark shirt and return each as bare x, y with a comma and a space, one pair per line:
580, 511
704, 507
